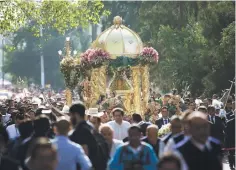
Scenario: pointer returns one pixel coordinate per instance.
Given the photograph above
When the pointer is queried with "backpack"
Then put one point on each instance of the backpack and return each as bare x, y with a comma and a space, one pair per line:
100, 157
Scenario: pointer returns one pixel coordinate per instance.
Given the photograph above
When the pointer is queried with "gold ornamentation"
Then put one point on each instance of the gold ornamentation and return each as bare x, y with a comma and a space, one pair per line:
145, 86
95, 76
136, 88
102, 80
117, 21
68, 95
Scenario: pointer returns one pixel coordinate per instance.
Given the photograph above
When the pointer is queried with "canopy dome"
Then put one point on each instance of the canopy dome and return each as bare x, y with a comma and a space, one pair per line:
118, 40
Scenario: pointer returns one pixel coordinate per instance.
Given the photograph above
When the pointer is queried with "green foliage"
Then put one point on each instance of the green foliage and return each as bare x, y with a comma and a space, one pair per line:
195, 41
59, 15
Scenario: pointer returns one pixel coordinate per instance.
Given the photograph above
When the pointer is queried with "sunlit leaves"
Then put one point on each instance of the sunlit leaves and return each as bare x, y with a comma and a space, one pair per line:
59, 15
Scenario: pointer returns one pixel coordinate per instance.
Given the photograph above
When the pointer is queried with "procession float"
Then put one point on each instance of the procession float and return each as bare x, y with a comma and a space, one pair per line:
113, 72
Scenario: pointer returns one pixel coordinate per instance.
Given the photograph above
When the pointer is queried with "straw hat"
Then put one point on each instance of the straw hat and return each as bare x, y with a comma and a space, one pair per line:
94, 112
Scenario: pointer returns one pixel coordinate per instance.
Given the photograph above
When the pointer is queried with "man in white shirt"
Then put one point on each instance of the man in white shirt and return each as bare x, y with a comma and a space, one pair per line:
12, 130
119, 126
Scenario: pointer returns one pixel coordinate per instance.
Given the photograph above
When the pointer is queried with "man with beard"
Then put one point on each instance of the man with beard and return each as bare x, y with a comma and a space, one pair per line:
86, 136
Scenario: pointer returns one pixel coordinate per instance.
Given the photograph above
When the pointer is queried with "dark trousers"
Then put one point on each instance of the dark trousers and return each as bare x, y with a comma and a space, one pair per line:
231, 158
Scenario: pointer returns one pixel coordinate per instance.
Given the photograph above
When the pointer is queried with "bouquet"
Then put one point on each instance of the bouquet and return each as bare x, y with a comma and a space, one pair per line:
94, 57
165, 129
66, 65
148, 55
70, 70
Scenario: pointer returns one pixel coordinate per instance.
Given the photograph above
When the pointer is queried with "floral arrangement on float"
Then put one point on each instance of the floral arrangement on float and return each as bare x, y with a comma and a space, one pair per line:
71, 71
94, 58
164, 130
148, 55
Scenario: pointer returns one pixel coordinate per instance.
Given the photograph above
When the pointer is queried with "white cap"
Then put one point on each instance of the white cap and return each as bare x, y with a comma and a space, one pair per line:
46, 111
94, 112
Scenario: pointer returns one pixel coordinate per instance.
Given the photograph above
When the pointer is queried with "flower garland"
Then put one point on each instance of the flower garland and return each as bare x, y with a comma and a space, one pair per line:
94, 58
148, 55
165, 129
71, 71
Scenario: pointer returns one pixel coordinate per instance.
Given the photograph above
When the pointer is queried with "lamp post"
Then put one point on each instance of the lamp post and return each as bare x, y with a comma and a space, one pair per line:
3, 74
42, 60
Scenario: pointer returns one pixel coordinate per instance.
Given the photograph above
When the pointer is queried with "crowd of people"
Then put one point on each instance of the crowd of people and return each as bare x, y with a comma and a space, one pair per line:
52, 136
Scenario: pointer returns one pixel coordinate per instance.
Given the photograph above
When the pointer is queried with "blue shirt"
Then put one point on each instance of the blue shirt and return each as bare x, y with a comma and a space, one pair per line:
70, 154
125, 153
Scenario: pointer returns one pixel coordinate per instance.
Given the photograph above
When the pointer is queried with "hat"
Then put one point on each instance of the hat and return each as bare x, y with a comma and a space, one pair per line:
94, 112
59, 104
117, 109
41, 107
65, 109
34, 103
46, 111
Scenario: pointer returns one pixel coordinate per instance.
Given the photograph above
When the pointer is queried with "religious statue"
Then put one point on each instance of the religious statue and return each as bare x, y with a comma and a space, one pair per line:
120, 81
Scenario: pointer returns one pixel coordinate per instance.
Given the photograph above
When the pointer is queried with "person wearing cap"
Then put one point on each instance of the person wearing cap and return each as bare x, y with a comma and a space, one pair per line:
134, 154
118, 124
95, 117
69, 153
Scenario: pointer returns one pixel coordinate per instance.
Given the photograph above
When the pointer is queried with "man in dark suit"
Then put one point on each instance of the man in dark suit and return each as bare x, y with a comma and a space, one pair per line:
165, 117
217, 125
230, 141
198, 151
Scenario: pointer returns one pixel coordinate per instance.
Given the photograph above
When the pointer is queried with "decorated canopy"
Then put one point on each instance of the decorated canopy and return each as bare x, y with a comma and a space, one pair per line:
117, 64
118, 40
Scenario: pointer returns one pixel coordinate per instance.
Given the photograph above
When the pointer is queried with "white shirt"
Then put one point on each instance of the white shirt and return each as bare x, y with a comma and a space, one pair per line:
135, 150
115, 144
161, 148
6, 118
12, 131
120, 130
171, 143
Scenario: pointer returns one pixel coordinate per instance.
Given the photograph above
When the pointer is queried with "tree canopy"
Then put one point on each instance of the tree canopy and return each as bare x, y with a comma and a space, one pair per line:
59, 15
195, 40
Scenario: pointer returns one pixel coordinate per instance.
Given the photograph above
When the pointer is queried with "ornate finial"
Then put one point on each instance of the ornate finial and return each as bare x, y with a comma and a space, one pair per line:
117, 20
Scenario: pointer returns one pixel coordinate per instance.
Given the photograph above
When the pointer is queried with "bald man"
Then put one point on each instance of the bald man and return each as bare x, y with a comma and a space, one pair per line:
179, 136
152, 139
108, 133
199, 151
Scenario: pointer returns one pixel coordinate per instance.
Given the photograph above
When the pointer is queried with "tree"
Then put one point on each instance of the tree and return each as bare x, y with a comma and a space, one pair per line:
195, 41
59, 15
128, 10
